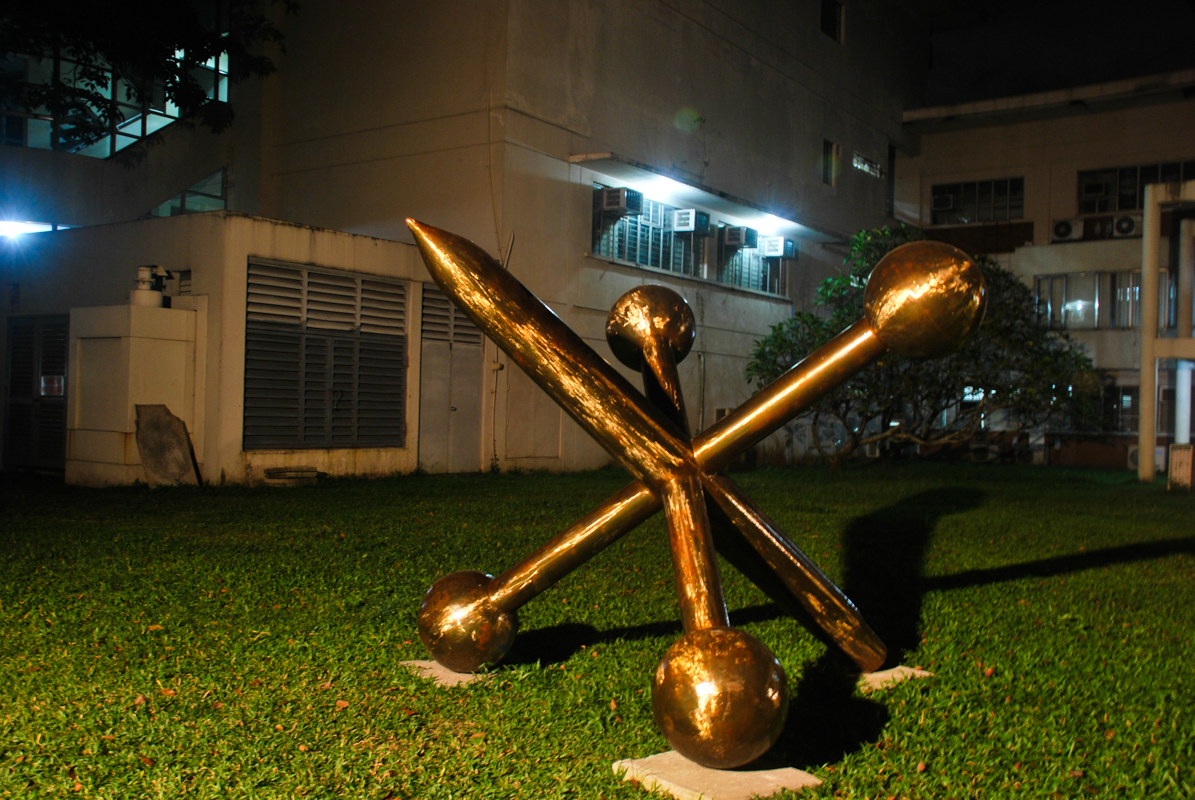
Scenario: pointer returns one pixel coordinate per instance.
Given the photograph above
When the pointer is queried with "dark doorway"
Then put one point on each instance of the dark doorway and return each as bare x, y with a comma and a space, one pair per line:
35, 408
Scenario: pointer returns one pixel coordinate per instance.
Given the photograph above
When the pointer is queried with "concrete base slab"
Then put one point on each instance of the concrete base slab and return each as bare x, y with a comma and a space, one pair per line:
884, 678
678, 776
441, 674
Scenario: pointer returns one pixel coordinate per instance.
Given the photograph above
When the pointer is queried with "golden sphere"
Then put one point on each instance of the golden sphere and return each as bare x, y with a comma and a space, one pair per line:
720, 697
461, 627
647, 311
924, 299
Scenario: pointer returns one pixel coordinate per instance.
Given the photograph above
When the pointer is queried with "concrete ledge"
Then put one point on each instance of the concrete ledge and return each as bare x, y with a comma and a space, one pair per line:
441, 675
676, 775
871, 681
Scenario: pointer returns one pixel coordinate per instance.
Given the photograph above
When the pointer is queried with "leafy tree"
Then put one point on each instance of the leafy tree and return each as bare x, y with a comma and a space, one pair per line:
138, 41
1016, 374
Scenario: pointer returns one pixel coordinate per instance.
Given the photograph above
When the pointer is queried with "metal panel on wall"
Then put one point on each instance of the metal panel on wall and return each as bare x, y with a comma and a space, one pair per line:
450, 387
325, 359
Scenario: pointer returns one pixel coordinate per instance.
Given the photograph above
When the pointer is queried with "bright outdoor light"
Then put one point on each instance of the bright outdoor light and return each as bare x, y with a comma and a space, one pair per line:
13, 228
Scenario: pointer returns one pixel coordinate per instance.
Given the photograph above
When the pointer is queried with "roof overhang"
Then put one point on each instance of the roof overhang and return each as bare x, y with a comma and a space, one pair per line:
657, 185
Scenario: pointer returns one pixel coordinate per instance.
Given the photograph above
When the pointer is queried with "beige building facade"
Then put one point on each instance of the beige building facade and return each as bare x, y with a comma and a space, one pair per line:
504, 122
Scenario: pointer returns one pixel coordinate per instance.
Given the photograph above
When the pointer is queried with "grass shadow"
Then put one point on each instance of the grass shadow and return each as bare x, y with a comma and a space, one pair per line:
883, 558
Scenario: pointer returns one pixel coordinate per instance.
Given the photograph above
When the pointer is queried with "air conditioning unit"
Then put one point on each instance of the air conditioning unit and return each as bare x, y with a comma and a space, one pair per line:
1067, 230
777, 247
1159, 457
1126, 225
690, 220
622, 201
740, 237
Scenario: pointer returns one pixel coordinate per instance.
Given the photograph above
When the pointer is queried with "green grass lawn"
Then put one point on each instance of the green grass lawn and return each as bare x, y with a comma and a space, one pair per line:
229, 642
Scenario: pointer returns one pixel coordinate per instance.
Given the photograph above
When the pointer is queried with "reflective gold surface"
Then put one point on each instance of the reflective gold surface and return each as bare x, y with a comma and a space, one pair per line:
593, 393
923, 298
719, 694
461, 626
720, 697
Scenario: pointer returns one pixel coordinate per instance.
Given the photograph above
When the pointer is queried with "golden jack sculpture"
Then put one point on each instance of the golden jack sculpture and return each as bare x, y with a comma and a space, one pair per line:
719, 696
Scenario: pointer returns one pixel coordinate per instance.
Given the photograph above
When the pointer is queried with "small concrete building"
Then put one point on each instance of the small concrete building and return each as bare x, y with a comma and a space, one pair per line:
725, 150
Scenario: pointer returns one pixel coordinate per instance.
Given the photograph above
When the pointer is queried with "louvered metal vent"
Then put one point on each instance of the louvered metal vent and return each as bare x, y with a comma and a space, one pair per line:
444, 322
325, 360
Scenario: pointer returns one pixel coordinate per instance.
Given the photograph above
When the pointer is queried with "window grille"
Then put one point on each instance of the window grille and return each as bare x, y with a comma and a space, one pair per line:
1100, 300
648, 240
978, 201
325, 359
1123, 188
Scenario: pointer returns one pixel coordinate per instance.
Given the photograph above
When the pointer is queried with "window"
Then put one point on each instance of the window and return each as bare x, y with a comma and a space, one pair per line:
832, 19
207, 195
325, 359
831, 153
1099, 300
865, 164
978, 201
1106, 191
80, 128
696, 246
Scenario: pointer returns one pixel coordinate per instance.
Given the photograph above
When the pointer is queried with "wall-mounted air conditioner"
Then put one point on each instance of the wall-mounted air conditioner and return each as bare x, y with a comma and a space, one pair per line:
1067, 230
740, 237
776, 247
690, 220
1126, 225
622, 201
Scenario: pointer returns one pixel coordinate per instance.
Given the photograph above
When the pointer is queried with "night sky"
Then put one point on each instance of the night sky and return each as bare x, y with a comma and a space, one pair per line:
1039, 45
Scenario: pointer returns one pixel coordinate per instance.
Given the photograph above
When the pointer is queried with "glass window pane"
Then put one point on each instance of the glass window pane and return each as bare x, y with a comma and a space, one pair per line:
197, 203
968, 203
1189, 170
213, 184
1016, 198
1000, 199
1127, 190
1149, 174
38, 132
1171, 173
1081, 292
984, 212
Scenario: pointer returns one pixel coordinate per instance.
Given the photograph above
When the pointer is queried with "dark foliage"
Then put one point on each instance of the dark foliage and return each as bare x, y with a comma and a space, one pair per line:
1019, 375
138, 40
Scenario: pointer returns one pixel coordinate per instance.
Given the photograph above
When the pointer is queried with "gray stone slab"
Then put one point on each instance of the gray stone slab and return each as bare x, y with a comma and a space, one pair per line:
678, 776
882, 679
165, 447
441, 674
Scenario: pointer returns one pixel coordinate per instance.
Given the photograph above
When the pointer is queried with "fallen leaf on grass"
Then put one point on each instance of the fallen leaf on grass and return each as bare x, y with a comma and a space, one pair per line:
146, 760
921, 766
154, 628
169, 692
327, 685
217, 705
342, 704
139, 700
277, 727
989, 672
1076, 773
302, 748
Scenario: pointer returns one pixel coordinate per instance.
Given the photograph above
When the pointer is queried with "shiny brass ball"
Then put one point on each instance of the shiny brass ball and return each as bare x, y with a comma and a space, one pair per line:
924, 299
720, 697
648, 311
461, 627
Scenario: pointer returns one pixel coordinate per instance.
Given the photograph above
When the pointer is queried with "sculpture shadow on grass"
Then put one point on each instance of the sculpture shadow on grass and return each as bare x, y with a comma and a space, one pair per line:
883, 554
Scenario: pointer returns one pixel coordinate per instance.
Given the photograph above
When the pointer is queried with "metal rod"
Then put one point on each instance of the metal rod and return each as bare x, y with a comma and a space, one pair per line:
832, 610
698, 585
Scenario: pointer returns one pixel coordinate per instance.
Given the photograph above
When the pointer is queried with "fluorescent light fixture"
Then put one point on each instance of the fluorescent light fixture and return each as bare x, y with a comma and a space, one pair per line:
11, 228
